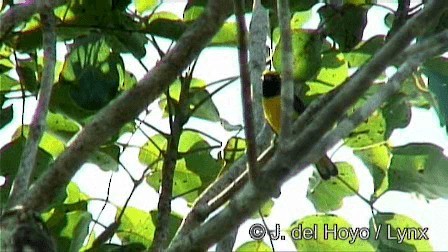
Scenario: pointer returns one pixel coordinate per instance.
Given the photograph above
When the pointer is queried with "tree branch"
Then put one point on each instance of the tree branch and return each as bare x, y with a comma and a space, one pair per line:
287, 90
246, 92
169, 165
127, 106
20, 13
37, 126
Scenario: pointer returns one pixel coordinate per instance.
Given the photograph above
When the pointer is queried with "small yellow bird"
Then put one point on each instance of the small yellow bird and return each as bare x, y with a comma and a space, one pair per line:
272, 112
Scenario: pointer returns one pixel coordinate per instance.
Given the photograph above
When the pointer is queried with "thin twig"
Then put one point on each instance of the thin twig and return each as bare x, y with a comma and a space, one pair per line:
246, 92
176, 127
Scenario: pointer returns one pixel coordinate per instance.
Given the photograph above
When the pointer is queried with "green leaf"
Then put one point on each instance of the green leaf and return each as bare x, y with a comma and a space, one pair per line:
397, 113
254, 246
369, 133
152, 151
234, 149
199, 100
80, 231
307, 46
26, 70
327, 195
186, 184
390, 228
344, 24
89, 80
106, 158
333, 72
300, 18
166, 25
29, 38
364, 51
50, 143
145, 5
69, 222
372, 131
7, 83
195, 167
193, 13
377, 159
61, 126
436, 71
419, 168
316, 226
125, 41
10, 156
138, 226
265, 210
6, 115
226, 36
415, 94
92, 72
129, 81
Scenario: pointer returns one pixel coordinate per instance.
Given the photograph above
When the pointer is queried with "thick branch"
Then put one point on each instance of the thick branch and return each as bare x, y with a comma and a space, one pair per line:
258, 32
20, 13
127, 106
37, 126
287, 90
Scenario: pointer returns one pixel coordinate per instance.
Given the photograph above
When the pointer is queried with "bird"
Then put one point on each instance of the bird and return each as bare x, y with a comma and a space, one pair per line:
271, 101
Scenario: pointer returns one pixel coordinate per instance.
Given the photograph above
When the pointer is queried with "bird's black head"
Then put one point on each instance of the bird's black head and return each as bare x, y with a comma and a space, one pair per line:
271, 84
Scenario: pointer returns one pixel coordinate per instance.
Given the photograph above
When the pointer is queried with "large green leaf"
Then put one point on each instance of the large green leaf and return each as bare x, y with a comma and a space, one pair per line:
145, 5
6, 114
364, 51
27, 72
165, 24
10, 156
419, 168
106, 157
89, 80
254, 246
61, 127
344, 24
138, 226
326, 233
195, 168
226, 36
372, 131
396, 232
397, 113
436, 70
49, 142
327, 195
377, 159
307, 46
7, 83
69, 222
29, 38
199, 100
333, 72
234, 149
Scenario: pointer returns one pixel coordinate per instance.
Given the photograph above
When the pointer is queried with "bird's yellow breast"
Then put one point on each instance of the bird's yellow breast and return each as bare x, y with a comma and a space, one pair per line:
272, 112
